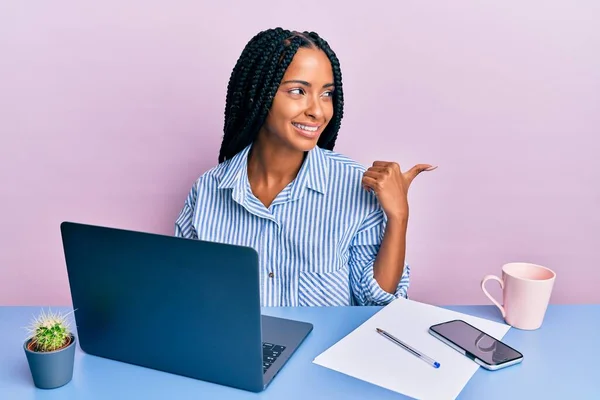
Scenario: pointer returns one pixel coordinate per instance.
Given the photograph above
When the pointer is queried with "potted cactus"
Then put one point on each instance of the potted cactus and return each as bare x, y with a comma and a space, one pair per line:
50, 350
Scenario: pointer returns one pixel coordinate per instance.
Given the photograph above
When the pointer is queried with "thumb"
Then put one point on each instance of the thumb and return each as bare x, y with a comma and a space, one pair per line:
416, 170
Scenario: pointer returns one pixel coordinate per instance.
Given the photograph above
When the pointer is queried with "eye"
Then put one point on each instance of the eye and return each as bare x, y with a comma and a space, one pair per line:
328, 93
297, 91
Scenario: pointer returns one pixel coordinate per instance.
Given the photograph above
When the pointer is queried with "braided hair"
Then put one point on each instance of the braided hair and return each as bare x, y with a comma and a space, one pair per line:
255, 80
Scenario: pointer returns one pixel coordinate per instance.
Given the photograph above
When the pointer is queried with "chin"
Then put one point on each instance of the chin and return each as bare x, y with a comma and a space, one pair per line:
302, 144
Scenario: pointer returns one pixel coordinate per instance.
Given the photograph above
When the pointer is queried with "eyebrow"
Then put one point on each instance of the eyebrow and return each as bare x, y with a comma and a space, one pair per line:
306, 83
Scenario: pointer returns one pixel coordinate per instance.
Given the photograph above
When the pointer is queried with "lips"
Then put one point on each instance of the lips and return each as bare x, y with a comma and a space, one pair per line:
308, 128
309, 131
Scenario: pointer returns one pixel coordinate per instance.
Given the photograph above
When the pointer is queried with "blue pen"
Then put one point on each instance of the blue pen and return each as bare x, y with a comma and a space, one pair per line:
417, 353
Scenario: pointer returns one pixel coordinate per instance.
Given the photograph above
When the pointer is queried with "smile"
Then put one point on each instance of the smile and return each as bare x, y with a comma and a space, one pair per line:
305, 130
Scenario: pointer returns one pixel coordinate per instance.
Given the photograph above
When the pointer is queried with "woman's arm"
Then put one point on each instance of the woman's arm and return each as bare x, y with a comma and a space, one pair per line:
363, 252
391, 187
389, 264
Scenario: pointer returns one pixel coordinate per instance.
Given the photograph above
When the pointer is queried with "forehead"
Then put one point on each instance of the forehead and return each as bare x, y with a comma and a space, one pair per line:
311, 65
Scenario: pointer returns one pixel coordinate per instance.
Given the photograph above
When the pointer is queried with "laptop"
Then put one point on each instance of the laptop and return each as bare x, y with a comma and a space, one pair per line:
182, 306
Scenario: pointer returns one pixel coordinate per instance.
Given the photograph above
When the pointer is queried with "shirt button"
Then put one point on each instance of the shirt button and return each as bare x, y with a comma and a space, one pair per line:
270, 274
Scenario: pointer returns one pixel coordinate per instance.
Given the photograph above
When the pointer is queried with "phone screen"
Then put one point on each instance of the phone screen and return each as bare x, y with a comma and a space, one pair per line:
476, 342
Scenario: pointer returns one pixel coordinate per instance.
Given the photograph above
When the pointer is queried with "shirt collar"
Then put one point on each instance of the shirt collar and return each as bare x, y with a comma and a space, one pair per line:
235, 169
312, 175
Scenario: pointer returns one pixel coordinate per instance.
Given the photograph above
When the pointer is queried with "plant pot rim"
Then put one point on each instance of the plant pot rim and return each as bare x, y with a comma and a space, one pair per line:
26, 346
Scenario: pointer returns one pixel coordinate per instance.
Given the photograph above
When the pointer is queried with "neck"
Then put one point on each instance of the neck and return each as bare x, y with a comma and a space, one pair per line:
272, 165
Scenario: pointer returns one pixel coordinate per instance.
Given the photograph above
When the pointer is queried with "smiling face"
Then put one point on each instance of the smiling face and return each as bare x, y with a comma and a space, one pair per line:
303, 104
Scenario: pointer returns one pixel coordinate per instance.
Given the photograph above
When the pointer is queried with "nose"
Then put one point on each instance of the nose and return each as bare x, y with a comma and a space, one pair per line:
314, 108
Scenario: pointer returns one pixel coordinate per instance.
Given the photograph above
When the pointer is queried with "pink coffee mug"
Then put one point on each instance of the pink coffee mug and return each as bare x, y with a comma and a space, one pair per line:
526, 290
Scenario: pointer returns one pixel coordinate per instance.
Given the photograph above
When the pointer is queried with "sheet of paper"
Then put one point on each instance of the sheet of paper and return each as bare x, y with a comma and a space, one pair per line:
366, 355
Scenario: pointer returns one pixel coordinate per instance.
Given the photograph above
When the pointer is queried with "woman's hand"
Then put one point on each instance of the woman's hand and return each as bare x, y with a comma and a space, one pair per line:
391, 185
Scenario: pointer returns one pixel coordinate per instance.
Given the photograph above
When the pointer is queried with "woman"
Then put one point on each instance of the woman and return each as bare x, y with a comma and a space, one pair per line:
327, 231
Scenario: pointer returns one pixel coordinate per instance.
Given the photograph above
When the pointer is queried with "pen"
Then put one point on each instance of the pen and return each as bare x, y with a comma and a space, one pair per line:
417, 353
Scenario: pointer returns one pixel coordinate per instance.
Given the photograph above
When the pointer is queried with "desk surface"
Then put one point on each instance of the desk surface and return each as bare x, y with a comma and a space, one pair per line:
561, 361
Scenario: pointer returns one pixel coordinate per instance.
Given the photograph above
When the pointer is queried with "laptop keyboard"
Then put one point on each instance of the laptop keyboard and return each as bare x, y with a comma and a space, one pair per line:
270, 353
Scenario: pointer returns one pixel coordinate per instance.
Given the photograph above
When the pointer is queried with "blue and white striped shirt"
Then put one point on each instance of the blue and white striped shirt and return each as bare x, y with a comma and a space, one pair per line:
317, 241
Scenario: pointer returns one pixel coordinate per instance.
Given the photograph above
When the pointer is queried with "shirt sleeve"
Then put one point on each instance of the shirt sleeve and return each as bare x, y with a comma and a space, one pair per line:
363, 252
183, 224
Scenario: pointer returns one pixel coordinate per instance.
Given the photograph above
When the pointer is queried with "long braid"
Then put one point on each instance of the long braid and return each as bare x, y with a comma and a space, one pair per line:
240, 100
255, 80
236, 103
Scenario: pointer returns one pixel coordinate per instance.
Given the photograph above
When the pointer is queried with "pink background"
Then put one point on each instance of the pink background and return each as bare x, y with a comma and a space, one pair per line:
110, 110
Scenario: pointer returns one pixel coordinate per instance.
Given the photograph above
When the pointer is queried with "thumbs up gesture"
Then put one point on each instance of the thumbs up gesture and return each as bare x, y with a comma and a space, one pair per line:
390, 185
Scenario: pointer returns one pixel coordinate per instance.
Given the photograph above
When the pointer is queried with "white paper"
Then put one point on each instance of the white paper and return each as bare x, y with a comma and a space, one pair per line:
366, 355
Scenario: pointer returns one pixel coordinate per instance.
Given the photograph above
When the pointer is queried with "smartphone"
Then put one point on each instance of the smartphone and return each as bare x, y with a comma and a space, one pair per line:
480, 347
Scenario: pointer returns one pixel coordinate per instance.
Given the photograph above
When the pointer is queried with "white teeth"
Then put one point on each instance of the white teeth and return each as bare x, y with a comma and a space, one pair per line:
306, 128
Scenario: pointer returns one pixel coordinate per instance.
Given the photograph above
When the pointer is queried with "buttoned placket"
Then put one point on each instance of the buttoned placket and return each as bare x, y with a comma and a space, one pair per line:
267, 243
275, 273
270, 258
274, 279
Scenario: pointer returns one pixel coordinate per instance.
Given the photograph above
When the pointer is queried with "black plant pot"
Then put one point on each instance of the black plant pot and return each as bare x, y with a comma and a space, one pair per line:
52, 369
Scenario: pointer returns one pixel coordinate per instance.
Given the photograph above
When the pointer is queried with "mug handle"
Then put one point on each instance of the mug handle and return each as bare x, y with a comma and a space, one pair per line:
495, 278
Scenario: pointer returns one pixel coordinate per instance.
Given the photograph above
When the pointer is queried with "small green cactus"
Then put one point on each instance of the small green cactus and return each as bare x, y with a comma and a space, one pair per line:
49, 332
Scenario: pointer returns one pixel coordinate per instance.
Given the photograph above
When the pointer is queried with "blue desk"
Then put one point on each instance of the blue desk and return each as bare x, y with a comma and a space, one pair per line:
562, 361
